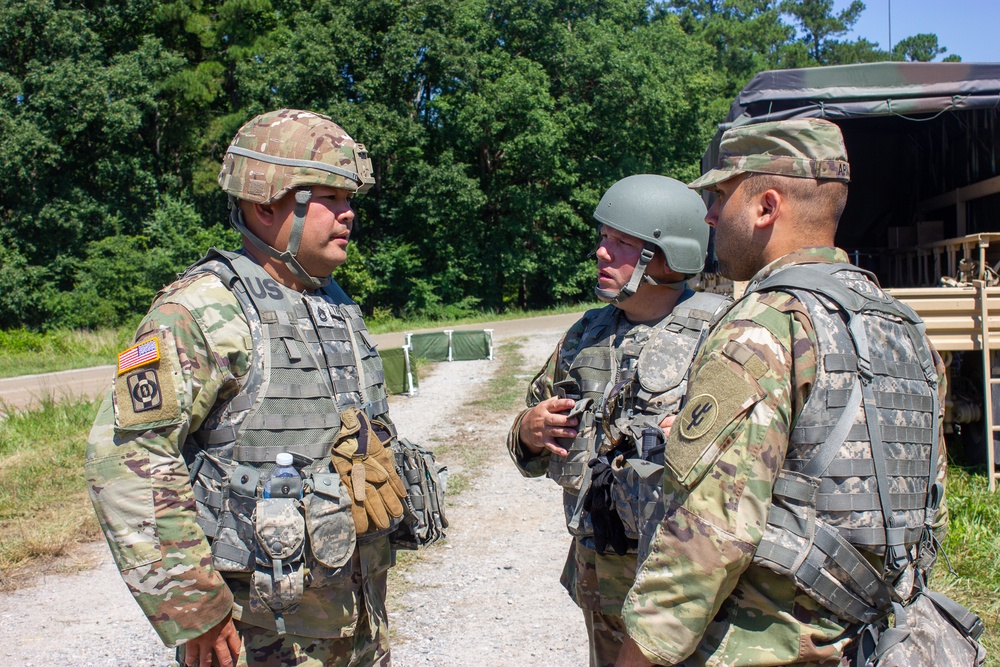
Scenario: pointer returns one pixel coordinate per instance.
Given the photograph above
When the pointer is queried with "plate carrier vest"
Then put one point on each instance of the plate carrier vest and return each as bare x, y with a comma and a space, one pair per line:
644, 387
312, 358
861, 468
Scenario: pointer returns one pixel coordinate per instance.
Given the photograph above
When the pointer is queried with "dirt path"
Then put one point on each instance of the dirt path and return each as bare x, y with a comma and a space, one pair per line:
489, 595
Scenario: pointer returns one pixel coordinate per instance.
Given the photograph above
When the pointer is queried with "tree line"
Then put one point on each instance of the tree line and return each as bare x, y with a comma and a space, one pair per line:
494, 127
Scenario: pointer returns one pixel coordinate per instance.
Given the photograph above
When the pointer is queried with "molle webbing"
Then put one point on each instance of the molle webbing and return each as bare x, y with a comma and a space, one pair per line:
304, 372
824, 505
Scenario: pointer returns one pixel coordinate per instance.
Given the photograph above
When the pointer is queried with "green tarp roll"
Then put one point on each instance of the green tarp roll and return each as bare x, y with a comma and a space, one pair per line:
431, 346
469, 345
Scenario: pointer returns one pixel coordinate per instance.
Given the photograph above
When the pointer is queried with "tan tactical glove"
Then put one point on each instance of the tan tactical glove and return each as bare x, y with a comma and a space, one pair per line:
368, 470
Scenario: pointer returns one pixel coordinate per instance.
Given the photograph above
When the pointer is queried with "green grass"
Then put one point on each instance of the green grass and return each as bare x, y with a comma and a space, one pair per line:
380, 324
44, 507
26, 353
506, 389
973, 553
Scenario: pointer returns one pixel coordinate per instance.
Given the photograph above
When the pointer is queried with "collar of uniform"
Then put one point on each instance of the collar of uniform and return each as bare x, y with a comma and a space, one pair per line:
812, 255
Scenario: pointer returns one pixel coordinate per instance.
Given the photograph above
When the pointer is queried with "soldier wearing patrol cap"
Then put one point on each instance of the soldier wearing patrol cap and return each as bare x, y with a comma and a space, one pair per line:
252, 360
591, 422
805, 473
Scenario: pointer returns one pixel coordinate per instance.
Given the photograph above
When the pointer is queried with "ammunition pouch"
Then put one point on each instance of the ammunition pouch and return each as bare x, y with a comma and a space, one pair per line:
569, 471
932, 629
426, 482
278, 579
285, 544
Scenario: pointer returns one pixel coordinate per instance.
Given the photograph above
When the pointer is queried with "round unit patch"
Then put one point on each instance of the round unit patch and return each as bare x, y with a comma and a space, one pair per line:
699, 415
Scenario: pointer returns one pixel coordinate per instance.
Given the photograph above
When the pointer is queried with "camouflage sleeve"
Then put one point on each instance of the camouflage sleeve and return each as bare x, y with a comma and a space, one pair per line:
722, 457
136, 475
541, 387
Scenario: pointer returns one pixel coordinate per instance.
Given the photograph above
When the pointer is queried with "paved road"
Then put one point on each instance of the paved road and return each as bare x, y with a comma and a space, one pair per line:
21, 392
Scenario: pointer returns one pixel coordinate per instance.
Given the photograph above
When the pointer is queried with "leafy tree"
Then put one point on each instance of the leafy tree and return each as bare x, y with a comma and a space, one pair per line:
819, 26
494, 126
748, 36
921, 48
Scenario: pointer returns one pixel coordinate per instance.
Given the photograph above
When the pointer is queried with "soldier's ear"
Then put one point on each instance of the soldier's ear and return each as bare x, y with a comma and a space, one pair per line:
265, 214
767, 207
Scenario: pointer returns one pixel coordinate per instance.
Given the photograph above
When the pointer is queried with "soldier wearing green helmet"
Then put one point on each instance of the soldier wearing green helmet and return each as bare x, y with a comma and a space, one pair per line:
209, 463
591, 422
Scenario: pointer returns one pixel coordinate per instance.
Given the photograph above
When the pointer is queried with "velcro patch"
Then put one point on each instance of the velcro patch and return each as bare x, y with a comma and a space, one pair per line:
144, 388
148, 394
720, 394
140, 354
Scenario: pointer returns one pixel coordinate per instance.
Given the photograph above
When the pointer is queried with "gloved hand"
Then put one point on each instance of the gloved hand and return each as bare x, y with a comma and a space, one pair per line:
608, 526
368, 470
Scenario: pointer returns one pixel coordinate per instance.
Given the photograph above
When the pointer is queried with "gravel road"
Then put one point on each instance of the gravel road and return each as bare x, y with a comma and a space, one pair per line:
488, 595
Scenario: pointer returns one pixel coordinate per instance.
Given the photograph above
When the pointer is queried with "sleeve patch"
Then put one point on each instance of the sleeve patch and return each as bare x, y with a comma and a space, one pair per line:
720, 395
141, 354
148, 394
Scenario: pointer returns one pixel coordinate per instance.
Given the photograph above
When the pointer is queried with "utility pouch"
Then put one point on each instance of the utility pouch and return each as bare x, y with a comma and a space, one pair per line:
233, 538
932, 629
426, 482
568, 472
332, 535
278, 580
637, 498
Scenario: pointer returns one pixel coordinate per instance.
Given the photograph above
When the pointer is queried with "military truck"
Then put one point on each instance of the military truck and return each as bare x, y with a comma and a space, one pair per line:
923, 211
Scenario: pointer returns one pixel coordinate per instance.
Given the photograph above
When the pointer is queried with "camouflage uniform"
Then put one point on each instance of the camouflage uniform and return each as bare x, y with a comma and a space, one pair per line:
699, 598
598, 582
197, 350
141, 489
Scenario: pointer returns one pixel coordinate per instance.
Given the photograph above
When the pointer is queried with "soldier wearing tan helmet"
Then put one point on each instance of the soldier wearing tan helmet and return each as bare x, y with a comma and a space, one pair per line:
216, 461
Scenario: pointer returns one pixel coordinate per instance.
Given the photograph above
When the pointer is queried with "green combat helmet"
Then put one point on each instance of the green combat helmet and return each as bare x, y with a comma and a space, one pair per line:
291, 150
665, 214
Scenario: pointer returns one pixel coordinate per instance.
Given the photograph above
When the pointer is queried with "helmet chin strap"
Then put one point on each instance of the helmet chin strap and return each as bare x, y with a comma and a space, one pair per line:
302, 197
638, 276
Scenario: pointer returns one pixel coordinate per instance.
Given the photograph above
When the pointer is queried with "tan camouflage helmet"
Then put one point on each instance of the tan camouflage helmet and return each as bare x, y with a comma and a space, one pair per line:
283, 150
803, 148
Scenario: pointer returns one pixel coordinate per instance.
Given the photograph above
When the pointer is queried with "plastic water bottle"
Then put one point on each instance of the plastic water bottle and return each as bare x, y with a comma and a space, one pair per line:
284, 471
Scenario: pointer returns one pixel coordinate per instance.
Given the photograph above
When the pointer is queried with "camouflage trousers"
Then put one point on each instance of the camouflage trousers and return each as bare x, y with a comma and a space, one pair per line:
266, 648
598, 584
606, 634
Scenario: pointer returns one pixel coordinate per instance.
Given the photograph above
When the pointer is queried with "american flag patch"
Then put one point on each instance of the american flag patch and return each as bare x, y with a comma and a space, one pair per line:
144, 353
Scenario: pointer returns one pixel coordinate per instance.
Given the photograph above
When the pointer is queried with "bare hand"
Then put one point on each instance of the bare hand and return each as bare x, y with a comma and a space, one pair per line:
544, 423
631, 656
222, 641
666, 424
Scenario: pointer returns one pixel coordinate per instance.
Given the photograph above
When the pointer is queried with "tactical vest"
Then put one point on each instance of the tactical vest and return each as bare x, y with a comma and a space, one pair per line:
860, 471
639, 382
312, 358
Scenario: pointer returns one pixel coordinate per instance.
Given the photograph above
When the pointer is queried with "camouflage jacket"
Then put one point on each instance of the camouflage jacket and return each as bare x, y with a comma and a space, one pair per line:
698, 599
614, 572
139, 481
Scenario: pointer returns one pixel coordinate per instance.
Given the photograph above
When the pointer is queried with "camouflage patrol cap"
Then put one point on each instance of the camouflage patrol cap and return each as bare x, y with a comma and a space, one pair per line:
803, 148
286, 149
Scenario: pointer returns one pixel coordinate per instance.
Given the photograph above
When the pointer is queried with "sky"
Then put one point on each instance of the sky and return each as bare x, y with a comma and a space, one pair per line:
965, 27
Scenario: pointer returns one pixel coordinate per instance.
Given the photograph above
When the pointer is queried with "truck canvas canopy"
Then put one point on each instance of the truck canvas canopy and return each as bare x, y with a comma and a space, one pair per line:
923, 207
922, 139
